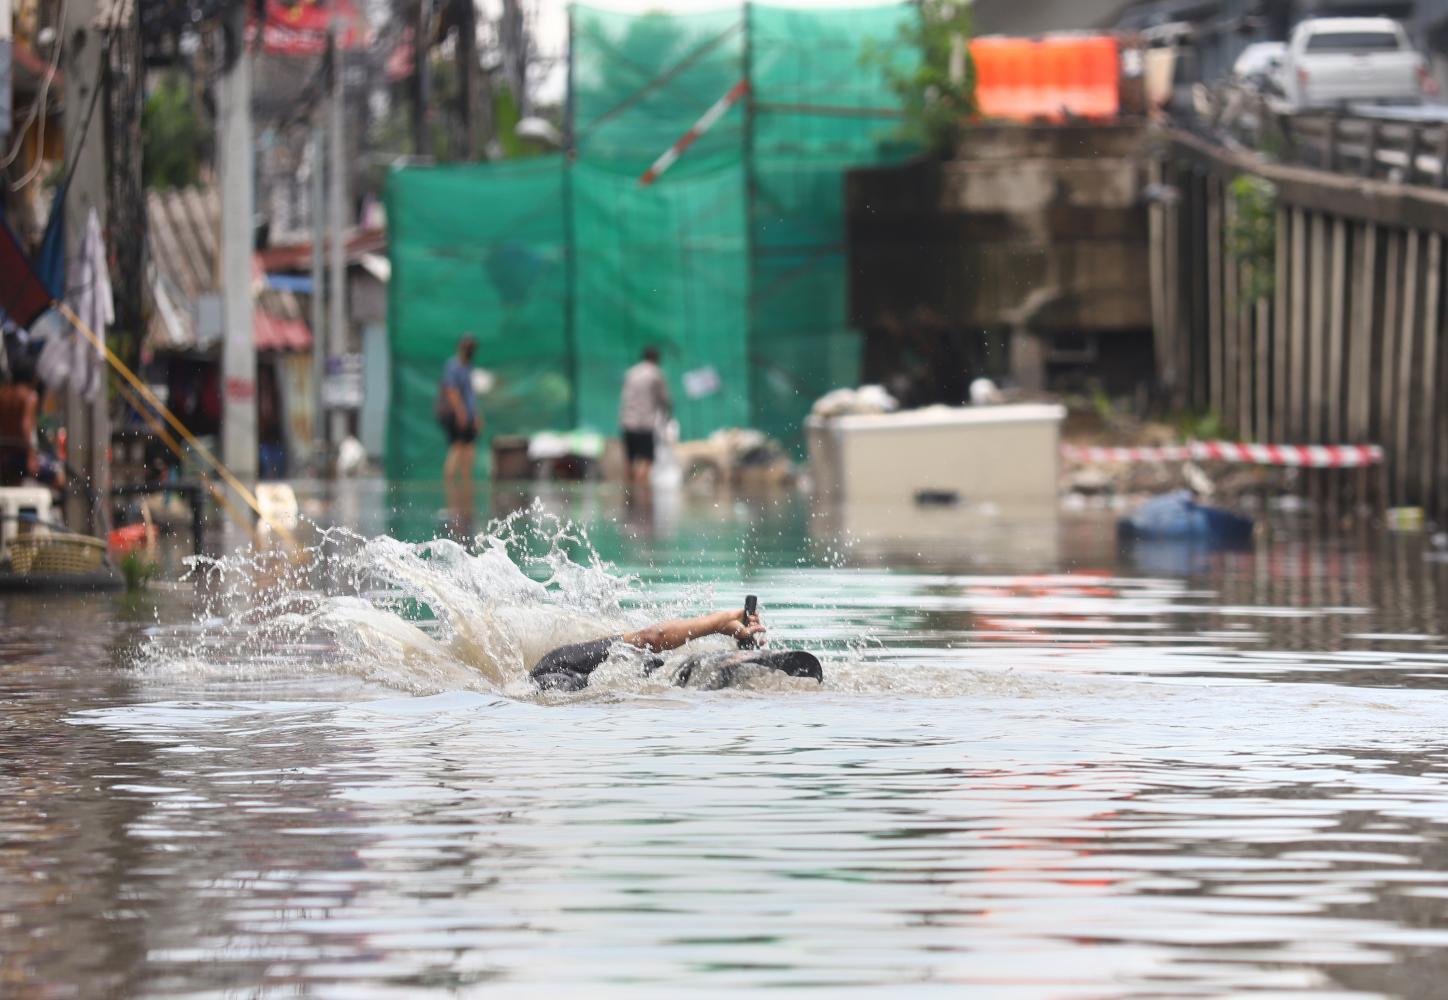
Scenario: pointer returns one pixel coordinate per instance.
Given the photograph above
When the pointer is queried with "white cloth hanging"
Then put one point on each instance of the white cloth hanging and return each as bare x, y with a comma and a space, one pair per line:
53, 365
90, 297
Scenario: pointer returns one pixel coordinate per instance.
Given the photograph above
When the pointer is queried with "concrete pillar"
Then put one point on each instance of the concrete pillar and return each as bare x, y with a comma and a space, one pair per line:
87, 425
238, 353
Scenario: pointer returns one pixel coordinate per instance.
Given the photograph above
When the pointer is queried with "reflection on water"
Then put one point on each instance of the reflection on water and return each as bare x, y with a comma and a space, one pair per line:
1080, 774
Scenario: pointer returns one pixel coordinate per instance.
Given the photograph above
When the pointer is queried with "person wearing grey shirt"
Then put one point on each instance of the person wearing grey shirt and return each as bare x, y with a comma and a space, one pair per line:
643, 405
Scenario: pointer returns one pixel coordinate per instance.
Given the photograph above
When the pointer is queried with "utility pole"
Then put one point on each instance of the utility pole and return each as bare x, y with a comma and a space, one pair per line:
421, 84
514, 43
468, 79
238, 351
87, 424
318, 202
336, 202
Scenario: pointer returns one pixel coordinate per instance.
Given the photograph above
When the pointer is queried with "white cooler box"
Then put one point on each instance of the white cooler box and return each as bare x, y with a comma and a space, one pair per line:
940, 454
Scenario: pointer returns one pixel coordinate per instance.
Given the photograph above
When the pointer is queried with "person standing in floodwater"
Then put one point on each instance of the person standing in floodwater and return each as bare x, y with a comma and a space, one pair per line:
643, 405
457, 412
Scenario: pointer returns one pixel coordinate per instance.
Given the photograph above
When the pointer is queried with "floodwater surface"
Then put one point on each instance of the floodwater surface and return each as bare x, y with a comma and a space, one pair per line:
1037, 768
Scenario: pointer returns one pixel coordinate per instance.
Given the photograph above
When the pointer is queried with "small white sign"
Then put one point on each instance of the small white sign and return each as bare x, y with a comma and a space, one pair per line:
342, 386
702, 382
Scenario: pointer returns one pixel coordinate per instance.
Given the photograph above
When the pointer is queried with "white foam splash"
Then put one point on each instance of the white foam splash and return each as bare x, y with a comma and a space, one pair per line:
423, 617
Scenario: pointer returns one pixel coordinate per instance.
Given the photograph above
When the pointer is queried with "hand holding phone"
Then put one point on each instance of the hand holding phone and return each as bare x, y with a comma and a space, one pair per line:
751, 608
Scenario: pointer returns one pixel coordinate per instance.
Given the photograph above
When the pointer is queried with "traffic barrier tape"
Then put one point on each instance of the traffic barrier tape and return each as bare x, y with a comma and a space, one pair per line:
1311, 456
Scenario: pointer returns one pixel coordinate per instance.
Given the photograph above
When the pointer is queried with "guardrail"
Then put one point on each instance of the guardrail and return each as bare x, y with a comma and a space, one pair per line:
1406, 146
1308, 306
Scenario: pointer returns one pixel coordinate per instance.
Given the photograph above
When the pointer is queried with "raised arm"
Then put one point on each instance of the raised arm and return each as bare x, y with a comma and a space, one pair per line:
673, 634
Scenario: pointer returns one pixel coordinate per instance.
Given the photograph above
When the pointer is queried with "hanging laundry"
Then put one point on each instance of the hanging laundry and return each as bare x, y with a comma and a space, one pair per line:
90, 296
58, 353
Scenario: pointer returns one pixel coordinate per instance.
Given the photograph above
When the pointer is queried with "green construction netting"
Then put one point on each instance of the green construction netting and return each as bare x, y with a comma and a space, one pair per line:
818, 111
477, 249
732, 263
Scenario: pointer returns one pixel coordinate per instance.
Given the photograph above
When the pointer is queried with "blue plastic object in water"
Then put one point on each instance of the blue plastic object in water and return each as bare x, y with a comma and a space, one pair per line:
1178, 517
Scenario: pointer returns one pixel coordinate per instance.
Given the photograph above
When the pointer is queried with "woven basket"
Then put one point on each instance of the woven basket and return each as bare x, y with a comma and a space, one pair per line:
57, 554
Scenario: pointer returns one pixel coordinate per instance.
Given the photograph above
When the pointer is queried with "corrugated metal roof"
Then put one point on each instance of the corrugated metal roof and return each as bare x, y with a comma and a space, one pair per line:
185, 226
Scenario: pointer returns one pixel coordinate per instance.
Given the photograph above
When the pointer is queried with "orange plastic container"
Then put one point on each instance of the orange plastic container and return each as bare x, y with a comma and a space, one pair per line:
1103, 70
987, 55
1026, 80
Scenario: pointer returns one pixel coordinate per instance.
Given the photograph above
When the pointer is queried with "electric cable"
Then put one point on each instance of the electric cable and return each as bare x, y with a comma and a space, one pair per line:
39, 101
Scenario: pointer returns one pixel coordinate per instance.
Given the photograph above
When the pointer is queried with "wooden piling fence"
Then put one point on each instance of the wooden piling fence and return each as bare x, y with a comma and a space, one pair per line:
1343, 344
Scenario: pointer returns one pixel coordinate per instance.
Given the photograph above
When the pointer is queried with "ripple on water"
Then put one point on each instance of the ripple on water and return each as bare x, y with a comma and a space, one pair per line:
1052, 785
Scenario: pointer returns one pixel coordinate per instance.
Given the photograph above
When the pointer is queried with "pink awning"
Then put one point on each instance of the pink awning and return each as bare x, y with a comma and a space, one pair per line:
276, 334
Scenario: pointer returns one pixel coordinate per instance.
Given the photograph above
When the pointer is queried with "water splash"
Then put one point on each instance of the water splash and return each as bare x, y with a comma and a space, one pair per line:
418, 617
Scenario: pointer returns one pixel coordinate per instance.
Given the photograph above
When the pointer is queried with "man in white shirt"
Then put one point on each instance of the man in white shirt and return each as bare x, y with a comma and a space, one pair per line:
643, 405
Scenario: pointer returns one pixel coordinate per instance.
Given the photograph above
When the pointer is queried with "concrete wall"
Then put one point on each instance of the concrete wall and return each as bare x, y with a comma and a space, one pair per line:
1034, 230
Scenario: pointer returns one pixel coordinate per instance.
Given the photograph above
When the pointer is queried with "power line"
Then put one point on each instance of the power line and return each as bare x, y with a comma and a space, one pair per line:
37, 104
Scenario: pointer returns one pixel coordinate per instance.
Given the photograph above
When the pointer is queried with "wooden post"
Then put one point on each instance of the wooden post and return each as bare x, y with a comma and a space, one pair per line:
1360, 341
1440, 478
1214, 295
1246, 356
1261, 424
1440, 177
1281, 323
1297, 379
1336, 290
1410, 149
1317, 331
1226, 361
1428, 428
1387, 342
1198, 354
1370, 149
1173, 292
1406, 356
1156, 264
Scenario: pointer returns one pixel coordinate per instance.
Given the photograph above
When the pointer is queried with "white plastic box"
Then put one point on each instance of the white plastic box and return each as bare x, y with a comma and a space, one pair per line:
1001, 455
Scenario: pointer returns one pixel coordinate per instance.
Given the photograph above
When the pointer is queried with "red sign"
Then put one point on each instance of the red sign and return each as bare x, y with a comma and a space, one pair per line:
240, 390
299, 27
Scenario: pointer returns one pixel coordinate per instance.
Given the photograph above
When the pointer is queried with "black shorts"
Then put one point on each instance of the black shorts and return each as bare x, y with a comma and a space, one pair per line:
466, 434
638, 446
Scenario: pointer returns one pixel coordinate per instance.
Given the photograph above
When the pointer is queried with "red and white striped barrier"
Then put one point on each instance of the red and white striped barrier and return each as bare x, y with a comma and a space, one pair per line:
709, 119
1312, 456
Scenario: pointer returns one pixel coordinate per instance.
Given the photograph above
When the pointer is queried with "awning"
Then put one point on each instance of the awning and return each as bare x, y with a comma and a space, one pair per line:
184, 230
276, 334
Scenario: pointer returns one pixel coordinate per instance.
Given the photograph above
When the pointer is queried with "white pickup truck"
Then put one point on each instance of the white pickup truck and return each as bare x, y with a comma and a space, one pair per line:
1333, 61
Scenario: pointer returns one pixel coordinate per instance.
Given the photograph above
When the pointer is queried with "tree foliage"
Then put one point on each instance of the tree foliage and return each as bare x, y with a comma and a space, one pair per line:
937, 92
174, 138
1253, 233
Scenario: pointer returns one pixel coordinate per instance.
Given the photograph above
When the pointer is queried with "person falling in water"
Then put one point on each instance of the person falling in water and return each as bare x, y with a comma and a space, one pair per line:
568, 668
643, 405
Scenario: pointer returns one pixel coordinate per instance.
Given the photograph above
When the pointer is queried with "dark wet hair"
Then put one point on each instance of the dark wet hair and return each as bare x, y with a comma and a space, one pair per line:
651, 353
467, 344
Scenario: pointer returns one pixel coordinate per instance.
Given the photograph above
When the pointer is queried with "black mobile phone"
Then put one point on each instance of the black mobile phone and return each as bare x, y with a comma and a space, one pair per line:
751, 607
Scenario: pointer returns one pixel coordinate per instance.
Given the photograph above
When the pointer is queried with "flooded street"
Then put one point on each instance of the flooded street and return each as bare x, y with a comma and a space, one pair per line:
1037, 767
